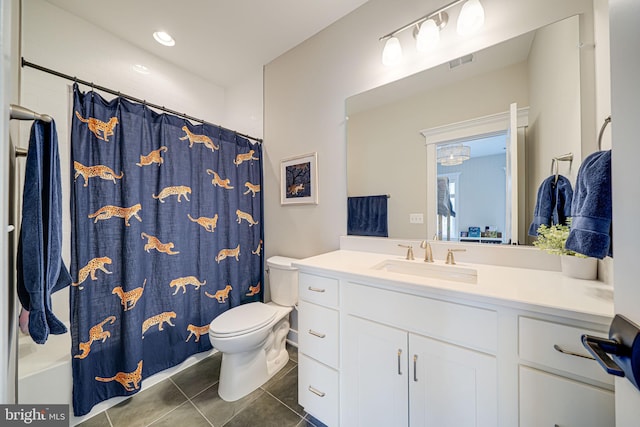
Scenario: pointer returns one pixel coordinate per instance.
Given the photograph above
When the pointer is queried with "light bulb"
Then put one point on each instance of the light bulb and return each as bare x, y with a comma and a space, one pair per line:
164, 38
428, 36
392, 52
471, 17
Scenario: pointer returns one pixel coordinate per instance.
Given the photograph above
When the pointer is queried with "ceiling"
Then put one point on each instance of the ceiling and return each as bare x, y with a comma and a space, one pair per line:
229, 39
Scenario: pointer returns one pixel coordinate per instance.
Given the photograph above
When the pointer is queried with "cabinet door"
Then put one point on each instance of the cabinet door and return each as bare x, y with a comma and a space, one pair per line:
375, 375
551, 400
451, 385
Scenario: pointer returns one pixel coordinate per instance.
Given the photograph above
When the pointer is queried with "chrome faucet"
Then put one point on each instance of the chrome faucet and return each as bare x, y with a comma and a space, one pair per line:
428, 253
450, 260
409, 251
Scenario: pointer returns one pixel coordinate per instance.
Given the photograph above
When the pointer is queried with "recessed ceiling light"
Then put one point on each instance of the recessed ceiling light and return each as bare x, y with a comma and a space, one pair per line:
164, 38
139, 68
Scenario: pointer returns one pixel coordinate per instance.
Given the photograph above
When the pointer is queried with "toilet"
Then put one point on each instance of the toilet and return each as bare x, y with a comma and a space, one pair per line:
251, 337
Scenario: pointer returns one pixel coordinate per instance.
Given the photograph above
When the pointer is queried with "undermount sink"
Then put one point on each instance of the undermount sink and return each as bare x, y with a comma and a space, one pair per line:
452, 273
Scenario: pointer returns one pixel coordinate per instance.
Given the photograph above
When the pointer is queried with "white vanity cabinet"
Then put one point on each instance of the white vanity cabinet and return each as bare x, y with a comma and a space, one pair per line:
318, 351
395, 376
558, 384
380, 348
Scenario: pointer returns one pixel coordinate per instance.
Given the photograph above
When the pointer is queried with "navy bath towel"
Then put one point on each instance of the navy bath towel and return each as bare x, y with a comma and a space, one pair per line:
367, 216
553, 204
591, 210
40, 269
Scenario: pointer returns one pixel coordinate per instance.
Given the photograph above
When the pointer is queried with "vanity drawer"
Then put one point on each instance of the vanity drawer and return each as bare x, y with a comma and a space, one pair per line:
459, 324
318, 333
556, 345
318, 289
318, 390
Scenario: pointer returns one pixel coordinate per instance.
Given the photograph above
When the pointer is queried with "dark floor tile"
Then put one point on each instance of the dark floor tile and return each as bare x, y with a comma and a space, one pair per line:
147, 406
184, 415
265, 411
216, 410
281, 373
293, 352
99, 420
285, 389
200, 376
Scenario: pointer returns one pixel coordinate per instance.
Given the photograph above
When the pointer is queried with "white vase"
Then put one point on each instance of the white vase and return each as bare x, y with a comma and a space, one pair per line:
578, 267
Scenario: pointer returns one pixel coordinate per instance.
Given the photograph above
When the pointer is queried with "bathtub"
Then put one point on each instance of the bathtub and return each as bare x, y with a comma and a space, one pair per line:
44, 374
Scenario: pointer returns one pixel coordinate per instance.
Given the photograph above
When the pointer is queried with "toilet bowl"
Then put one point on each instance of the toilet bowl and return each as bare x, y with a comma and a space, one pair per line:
251, 337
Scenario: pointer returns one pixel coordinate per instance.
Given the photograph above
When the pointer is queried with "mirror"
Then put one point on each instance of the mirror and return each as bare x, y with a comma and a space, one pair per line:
387, 152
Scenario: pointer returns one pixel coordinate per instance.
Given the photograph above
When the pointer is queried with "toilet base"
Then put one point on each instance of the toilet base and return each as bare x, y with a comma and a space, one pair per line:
242, 373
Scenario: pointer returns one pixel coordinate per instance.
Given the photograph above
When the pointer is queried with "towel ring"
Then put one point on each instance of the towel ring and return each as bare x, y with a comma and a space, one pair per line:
604, 125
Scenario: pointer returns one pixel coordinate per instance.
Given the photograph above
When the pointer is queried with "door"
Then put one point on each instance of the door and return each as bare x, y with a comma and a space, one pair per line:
451, 385
624, 16
375, 375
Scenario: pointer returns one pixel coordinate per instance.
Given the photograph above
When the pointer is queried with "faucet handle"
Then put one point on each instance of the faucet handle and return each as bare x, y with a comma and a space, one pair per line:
409, 251
450, 260
428, 253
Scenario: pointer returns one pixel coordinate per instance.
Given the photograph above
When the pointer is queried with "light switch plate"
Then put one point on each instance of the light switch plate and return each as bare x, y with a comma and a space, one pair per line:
416, 218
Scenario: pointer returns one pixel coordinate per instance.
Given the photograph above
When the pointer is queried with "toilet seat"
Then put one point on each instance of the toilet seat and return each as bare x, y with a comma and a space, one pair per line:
242, 319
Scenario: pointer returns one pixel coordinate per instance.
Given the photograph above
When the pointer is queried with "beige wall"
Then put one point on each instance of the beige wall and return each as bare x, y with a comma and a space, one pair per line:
554, 114
305, 90
387, 155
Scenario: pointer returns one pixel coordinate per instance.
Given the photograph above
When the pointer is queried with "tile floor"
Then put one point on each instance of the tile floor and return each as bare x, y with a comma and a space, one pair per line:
190, 398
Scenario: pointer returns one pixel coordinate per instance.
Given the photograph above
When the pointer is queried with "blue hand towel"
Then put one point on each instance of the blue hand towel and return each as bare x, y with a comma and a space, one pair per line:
591, 210
553, 203
40, 269
367, 216
563, 201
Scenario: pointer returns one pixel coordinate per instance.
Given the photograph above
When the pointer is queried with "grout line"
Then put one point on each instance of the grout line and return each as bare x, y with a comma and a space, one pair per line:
191, 402
284, 404
108, 418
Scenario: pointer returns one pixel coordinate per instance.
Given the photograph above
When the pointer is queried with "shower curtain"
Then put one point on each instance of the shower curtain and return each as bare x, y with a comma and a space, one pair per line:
166, 235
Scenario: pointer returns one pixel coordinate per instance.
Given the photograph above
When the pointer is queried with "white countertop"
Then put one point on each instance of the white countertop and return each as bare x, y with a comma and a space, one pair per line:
544, 291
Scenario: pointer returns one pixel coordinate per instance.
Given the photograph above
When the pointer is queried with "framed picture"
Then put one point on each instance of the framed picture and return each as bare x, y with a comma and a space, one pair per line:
299, 180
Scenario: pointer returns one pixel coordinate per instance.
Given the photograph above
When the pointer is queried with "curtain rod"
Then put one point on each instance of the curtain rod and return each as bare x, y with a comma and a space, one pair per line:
25, 63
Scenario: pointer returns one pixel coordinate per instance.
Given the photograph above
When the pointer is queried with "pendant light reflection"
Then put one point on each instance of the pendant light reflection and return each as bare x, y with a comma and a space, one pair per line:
452, 155
392, 52
471, 17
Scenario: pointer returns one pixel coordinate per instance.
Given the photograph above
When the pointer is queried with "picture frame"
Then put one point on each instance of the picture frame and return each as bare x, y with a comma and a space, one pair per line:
299, 180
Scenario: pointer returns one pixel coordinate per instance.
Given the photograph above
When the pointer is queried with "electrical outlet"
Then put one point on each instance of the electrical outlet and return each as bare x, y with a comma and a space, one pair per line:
416, 218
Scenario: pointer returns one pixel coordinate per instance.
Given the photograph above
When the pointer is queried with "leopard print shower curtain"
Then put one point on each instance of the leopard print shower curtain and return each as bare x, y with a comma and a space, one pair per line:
159, 248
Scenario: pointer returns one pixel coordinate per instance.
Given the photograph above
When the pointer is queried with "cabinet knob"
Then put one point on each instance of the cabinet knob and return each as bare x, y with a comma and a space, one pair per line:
399, 361
312, 289
415, 368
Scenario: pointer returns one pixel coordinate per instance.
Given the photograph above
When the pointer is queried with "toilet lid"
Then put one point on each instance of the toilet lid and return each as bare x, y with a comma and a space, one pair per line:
242, 319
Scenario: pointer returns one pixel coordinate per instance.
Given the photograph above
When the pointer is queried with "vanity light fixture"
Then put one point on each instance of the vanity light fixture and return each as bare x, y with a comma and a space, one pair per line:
452, 155
426, 29
164, 38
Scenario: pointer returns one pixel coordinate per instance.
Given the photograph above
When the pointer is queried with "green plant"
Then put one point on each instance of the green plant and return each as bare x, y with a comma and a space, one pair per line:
552, 239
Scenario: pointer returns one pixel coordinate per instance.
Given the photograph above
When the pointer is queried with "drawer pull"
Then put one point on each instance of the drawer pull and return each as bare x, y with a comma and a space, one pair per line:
316, 391
312, 289
317, 334
399, 367
570, 353
415, 368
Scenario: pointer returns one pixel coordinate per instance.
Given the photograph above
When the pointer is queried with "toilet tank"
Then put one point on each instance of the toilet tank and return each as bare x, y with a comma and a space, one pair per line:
283, 281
